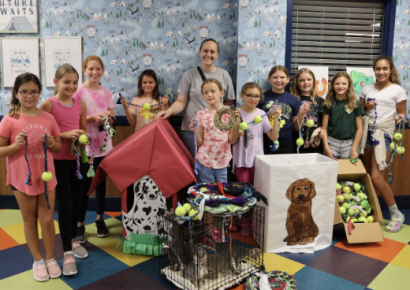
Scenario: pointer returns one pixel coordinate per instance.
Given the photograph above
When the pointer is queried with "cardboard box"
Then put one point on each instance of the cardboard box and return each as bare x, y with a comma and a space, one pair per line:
363, 233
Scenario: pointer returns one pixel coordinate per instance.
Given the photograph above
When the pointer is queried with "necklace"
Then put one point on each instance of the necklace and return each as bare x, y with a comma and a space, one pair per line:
67, 106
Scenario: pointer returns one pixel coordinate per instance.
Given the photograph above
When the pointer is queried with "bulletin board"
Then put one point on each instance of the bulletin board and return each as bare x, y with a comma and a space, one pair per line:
59, 51
19, 55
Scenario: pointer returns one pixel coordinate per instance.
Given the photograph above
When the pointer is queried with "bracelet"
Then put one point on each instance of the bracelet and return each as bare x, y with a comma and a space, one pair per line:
52, 144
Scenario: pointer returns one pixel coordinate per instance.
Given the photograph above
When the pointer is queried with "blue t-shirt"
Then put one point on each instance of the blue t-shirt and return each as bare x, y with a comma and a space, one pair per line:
290, 108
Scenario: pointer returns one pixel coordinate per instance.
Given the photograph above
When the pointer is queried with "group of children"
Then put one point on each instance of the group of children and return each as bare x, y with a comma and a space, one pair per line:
75, 110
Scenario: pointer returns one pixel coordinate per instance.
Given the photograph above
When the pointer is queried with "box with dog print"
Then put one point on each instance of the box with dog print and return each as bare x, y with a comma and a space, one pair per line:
300, 193
362, 232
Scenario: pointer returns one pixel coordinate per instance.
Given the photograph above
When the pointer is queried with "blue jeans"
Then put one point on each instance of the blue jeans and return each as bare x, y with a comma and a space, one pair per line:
387, 141
211, 175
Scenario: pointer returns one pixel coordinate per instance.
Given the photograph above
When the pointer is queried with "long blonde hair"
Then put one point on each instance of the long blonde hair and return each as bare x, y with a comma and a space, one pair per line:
394, 74
21, 80
61, 71
351, 100
294, 90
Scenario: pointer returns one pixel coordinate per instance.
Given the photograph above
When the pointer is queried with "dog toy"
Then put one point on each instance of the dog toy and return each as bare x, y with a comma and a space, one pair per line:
232, 122
46, 175
109, 131
276, 280
399, 149
196, 166
180, 210
28, 180
375, 142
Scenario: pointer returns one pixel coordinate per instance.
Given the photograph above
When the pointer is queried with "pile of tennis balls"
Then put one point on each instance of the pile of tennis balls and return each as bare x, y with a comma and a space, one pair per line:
182, 210
353, 203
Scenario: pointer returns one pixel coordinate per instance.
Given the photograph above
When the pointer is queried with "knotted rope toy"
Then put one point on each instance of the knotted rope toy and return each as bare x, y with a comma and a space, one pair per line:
109, 131
277, 281
372, 138
75, 145
28, 180
270, 106
46, 175
398, 137
232, 122
196, 147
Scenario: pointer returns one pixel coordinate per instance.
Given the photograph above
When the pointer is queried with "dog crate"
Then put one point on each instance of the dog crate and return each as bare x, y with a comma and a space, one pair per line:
217, 252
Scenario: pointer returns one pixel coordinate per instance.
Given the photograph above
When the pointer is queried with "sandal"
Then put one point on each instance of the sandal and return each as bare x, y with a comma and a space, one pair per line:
395, 225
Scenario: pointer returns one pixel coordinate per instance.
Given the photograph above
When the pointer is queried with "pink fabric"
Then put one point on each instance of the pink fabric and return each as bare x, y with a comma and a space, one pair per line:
215, 151
17, 169
97, 102
244, 174
68, 118
141, 121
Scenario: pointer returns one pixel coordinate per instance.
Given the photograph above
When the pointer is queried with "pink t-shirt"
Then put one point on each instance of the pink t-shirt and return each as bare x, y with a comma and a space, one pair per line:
215, 151
142, 119
17, 169
68, 118
245, 157
97, 102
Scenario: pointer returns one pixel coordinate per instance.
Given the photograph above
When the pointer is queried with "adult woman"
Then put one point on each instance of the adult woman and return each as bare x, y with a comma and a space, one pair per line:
389, 97
189, 90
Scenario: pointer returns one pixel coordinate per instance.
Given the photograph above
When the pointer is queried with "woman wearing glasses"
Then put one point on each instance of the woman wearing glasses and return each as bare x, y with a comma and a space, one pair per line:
189, 90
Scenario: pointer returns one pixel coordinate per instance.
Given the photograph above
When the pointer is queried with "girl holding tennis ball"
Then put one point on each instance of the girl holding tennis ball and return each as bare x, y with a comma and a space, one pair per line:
342, 119
245, 149
303, 88
70, 115
390, 98
214, 151
27, 123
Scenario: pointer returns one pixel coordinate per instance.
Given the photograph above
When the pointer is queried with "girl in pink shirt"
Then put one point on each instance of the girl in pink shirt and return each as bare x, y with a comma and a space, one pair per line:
214, 151
27, 123
148, 93
70, 115
99, 103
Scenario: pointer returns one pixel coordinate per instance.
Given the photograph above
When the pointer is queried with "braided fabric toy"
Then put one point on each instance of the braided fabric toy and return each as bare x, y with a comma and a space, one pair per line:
91, 172
278, 280
109, 131
44, 176
375, 142
28, 180
196, 147
398, 137
271, 106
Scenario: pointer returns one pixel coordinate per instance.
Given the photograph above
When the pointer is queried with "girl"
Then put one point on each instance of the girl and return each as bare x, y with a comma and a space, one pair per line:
26, 123
342, 119
99, 104
279, 78
303, 88
390, 98
189, 91
70, 115
214, 151
147, 93
244, 151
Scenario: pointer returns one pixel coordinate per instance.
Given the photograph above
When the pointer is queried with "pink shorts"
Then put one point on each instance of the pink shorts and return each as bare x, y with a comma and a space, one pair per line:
244, 174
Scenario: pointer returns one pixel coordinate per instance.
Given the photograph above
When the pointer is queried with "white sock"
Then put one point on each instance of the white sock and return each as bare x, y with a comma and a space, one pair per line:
50, 260
68, 253
394, 212
38, 262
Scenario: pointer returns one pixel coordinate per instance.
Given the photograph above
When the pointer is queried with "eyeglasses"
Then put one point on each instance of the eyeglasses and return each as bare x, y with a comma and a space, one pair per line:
252, 97
26, 93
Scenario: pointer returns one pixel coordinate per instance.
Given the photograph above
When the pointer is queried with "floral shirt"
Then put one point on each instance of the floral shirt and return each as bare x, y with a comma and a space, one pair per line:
215, 151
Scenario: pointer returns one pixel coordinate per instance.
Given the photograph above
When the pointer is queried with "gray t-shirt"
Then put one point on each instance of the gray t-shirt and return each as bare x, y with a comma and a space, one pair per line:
190, 87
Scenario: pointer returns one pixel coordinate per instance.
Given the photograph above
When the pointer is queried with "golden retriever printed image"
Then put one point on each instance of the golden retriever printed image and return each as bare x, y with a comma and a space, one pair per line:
300, 225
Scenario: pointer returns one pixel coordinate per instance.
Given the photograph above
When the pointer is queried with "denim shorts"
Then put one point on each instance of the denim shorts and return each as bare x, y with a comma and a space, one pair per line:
387, 141
340, 148
211, 175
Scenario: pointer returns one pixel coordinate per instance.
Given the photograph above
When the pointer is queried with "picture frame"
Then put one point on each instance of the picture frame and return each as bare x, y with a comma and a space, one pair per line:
19, 55
20, 18
61, 50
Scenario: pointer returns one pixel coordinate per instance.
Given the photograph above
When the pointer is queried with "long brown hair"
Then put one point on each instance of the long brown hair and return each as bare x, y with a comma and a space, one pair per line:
21, 80
279, 68
394, 74
351, 100
294, 90
61, 71
148, 73
252, 85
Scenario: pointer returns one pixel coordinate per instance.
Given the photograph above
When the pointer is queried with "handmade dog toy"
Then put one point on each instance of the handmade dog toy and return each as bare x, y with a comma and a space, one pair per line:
28, 180
232, 122
109, 131
46, 175
398, 137
276, 280
375, 142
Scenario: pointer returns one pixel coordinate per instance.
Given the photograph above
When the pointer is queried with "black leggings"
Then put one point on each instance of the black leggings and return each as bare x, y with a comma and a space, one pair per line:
68, 197
100, 191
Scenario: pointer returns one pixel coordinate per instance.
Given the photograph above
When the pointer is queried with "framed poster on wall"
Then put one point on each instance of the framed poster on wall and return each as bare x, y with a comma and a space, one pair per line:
59, 51
19, 16
19, 55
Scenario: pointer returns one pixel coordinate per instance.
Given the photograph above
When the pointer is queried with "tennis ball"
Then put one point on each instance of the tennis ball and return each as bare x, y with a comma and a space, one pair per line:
346, 205
338, 186
146, 106
369, 210
180, 211
370, 219
203, 189
353, 220
363, 214
346, 189
310, 123
192, 213
340, 198
400, 150
347, 196
342, 210
392, 145
362, 219
47, 176
83, 139
350, 211
300, 142
257, 119
243, 126
187, 207
398, 136
356, 186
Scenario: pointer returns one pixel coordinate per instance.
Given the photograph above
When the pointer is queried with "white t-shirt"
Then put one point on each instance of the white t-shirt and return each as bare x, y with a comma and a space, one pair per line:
386, 100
